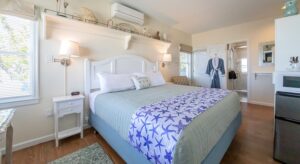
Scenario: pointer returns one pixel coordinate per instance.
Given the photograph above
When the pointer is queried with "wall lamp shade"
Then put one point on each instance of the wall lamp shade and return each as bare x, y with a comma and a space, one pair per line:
69, 49
166, 58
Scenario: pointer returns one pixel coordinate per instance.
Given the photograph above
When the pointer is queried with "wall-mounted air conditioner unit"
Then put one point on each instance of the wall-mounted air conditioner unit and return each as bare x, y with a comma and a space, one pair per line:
126, 13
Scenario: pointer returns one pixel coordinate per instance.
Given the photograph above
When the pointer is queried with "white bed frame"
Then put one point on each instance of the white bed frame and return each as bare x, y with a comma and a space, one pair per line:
119, 64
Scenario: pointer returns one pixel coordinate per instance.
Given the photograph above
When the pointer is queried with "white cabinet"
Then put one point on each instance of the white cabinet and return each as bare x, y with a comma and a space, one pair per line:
287, 42
64, 106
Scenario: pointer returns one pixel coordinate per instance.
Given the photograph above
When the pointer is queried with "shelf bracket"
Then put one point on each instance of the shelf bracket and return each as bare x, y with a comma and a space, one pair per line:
127, 41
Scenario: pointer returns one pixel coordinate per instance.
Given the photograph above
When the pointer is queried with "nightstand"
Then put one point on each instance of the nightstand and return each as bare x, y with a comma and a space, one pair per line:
67, 105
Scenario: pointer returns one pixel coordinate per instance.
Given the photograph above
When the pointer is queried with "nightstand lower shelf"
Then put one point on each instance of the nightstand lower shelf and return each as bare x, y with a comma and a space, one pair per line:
69, 132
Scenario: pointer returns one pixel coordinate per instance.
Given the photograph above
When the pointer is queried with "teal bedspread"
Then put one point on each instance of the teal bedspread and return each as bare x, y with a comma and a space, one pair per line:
116, 109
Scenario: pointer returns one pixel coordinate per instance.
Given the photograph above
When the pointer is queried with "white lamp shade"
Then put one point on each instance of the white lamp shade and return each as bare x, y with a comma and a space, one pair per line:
167, 58
69, 49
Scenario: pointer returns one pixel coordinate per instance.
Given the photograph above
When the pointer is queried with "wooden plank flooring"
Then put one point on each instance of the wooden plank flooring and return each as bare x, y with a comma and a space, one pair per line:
252, 144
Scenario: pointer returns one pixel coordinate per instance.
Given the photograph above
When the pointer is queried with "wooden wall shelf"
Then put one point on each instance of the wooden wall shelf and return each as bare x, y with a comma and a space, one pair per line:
54, 21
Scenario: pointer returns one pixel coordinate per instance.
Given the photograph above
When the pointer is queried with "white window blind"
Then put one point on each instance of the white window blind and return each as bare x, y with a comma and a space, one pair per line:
20, 8
17, 59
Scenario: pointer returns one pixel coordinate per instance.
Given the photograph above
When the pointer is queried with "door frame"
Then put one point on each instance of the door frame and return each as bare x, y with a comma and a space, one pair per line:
249, 72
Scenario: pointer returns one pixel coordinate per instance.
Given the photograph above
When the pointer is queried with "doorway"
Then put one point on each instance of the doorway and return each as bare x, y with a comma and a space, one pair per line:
237, 66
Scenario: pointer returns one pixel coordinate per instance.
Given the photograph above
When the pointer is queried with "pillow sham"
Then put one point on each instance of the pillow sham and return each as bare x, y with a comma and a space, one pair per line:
115, 82
155, 78
141, 82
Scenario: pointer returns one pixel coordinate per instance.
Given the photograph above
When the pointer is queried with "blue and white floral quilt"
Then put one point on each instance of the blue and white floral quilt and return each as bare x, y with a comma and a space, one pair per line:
156, 128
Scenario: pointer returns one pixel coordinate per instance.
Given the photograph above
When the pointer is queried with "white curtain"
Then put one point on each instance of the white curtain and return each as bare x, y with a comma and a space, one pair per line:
20, 8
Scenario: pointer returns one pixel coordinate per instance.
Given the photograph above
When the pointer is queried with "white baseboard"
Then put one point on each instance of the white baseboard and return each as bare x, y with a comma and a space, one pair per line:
32, 142
35, 141
261, 103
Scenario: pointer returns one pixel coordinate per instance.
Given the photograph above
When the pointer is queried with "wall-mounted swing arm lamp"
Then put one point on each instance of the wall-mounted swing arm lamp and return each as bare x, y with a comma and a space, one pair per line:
166, 59
68, 50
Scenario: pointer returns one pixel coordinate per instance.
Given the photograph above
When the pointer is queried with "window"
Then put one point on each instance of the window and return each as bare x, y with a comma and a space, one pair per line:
185, 64
18, 61
244, 68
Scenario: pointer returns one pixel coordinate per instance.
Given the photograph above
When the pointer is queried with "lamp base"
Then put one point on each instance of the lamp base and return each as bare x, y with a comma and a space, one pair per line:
65, 62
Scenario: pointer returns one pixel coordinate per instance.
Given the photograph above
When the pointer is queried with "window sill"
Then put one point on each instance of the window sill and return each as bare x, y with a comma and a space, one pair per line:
19, 103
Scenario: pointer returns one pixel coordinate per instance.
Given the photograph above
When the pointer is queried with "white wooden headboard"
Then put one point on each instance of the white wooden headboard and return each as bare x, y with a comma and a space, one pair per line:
119, 64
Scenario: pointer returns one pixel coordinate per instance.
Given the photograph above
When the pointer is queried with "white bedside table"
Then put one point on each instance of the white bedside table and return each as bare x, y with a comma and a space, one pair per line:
64, 106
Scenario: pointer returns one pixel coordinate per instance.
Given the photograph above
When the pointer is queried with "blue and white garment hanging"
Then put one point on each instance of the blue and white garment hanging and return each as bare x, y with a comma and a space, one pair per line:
156, 128
213, 67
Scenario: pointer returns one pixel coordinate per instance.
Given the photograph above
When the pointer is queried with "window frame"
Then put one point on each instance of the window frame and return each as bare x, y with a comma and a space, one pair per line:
12, 102
189, 63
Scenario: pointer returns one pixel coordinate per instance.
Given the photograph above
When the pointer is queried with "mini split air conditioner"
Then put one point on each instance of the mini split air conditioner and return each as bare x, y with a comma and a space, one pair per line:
126, 13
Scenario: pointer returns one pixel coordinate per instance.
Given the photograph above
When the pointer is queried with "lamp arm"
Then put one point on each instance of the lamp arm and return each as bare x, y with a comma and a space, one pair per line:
64, 61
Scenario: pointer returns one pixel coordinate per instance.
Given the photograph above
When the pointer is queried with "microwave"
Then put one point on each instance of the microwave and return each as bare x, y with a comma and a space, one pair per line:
287, 82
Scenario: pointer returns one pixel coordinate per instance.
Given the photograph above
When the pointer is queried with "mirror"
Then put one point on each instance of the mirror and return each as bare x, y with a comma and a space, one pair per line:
267, 53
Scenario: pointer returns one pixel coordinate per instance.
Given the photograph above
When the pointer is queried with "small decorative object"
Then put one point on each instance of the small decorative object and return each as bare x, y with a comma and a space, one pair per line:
165, 38
145, 31
294, 62
66, 4
110, 23
290, 8
126, 27
157, 36
58, 7
87, 15
76, 93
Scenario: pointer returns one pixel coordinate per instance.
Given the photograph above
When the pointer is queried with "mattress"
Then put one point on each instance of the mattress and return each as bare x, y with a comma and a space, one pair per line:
116, 109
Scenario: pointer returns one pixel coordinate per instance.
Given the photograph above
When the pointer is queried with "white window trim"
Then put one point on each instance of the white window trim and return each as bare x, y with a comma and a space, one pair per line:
189, 63
33, 99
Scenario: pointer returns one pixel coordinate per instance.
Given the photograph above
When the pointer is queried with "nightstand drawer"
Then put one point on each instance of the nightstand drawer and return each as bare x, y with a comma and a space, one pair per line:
69, 110
69, 104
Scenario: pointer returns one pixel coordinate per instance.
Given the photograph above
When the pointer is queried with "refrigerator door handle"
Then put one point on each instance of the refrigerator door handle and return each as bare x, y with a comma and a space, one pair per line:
288, 94
288, 120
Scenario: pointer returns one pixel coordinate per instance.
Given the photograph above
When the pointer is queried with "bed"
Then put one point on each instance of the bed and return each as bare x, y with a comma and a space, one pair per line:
204, 140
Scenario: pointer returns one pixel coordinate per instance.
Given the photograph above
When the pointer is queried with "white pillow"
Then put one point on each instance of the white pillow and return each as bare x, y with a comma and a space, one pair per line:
155, 78
115, 82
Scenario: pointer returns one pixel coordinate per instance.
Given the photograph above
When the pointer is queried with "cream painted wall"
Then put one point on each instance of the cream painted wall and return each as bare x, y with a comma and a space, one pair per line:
31, 122
261, 89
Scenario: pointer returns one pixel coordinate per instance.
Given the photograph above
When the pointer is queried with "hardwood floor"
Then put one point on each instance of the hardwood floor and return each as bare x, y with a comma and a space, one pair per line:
254, 140
252, 144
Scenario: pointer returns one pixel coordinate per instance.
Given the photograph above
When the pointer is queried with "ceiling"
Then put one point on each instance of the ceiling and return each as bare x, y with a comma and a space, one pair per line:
194, 16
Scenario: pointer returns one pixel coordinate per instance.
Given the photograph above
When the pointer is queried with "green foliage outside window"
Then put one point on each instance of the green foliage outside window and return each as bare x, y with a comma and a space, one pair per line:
14, 48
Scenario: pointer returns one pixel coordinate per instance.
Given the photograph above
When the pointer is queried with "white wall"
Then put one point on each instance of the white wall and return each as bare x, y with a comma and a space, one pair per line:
31, 122
261, 89
288, 39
